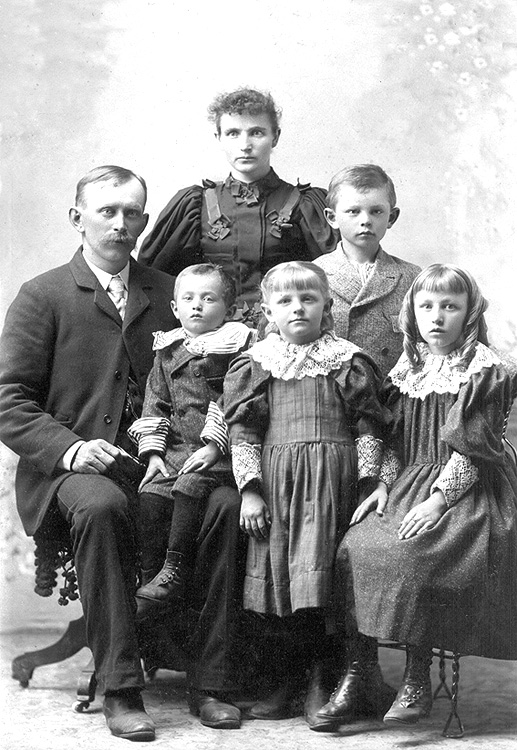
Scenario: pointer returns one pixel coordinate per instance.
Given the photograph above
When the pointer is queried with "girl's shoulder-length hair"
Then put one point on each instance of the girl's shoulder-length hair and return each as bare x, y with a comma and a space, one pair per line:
444, 277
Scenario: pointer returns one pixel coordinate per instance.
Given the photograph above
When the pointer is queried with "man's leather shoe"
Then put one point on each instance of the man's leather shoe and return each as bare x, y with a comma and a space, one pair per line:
212, 712
126, 717
277, 705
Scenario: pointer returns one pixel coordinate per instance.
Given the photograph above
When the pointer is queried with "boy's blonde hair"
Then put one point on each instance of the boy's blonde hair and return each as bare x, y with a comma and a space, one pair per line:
441, 277
210, 269
362, 177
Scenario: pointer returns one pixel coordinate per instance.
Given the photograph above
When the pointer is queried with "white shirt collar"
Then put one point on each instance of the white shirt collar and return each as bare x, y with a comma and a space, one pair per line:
104, 277
355, 262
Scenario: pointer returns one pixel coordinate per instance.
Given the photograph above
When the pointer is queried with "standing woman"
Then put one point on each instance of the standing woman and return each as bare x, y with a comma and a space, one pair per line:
252, 220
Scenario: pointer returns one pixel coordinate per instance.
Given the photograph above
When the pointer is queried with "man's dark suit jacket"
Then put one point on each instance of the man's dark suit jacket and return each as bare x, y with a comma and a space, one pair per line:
65, 358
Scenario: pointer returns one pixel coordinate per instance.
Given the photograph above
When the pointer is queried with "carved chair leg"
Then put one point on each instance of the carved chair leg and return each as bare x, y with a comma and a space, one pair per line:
459, 731
86, 687
72, 641
443, 677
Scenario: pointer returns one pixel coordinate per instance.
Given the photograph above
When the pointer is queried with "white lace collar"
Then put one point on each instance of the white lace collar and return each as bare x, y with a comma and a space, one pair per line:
228, 339
439, 373
295, 361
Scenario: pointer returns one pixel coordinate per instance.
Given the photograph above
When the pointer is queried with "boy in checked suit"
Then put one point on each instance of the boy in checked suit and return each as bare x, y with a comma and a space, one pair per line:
367, 284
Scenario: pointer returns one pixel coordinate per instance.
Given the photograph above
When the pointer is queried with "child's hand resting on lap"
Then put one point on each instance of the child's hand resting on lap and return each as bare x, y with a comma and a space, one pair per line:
202, 459
155, 466
377, 500
423, 516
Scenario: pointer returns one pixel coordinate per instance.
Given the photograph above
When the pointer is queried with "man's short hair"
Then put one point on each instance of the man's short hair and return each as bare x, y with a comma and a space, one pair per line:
109, 172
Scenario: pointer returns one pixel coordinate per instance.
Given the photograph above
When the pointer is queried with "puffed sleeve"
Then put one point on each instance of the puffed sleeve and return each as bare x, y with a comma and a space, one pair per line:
246, 412
391, 464
475, 424
174, 241
393, 401
474, 430
319, 236
245, 400
359, 382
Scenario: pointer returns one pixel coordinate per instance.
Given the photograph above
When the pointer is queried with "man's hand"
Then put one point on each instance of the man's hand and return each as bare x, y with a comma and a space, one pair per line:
202, 459
378, 500
423, 516
255, 516
155, 466
95, 457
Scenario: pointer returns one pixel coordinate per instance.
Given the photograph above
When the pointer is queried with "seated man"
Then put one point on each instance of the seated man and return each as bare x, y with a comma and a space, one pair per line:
75, 354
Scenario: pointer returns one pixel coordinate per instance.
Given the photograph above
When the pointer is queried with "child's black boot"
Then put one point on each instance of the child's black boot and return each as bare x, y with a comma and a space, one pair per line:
361, 690
165, 589
415, 697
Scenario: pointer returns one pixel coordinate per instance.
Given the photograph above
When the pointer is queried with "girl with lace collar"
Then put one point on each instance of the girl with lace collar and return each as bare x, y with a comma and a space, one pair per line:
435, 564
181, 433
304, 420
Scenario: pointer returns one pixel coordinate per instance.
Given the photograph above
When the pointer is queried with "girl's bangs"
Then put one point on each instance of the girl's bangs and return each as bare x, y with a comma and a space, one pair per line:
443, 280
297, 278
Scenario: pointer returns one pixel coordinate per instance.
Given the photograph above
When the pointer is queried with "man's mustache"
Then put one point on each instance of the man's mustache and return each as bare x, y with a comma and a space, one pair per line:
119, 237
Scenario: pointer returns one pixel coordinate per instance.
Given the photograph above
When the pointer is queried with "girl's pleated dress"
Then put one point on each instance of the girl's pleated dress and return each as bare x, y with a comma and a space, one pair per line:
294, 413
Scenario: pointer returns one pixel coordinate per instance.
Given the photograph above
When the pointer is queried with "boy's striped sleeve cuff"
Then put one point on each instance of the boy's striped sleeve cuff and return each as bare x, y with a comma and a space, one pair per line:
150, 434
216, 429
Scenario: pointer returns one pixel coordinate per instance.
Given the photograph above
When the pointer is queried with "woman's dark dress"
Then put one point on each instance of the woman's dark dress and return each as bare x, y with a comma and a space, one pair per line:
453, 586
260, 224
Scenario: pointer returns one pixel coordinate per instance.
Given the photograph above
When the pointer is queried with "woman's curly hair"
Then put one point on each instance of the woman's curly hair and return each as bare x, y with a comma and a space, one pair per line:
246, 100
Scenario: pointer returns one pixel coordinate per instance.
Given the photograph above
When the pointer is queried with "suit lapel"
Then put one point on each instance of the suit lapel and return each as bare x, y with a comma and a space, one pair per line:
181, 356
382, 281
85, 278
345, 279
137, 301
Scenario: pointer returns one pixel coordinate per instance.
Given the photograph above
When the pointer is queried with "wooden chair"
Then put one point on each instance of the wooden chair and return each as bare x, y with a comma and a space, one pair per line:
158, 651
53, 552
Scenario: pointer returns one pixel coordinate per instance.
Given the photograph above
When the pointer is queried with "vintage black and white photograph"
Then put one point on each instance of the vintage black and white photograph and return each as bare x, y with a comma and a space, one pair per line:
258, 371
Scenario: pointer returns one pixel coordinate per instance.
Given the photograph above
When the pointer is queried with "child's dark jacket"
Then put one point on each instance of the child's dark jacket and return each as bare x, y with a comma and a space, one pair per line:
180, 388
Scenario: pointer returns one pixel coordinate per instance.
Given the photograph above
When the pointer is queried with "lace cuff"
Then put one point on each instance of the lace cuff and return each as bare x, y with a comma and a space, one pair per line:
246, 464
216, 429
390, 468
457, 477
369, 456
150, 434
